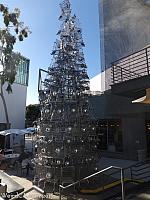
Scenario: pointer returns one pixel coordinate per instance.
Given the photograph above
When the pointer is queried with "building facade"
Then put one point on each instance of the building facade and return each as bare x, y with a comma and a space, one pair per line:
16, 101
124, 26
123, 127
124, 29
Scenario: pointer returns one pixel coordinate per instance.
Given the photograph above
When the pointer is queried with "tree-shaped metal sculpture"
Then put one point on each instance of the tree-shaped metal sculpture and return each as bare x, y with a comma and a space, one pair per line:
69, 144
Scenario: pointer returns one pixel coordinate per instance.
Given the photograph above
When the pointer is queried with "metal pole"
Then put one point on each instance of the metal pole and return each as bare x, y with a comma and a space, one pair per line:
0, 86
107, 134
32, 142
113, 71
59, 193
121, 75
147, 61
122, 184
131, 172
103, 185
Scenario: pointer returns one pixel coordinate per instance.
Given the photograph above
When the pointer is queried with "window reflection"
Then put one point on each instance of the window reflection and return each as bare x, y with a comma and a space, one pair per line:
110, 135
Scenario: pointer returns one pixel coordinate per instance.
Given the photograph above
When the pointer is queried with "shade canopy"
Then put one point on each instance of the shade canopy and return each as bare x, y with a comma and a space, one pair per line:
145, 99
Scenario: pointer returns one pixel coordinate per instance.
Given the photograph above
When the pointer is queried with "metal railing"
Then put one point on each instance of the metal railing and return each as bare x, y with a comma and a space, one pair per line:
137, 172
140, 171
95, 93
61, 187
132, 66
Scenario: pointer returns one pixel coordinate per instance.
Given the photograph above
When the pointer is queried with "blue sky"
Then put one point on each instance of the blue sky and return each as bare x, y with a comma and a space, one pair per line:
42, 18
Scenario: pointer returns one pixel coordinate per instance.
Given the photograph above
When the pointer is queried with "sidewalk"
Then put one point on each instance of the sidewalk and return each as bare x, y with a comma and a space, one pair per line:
107, 162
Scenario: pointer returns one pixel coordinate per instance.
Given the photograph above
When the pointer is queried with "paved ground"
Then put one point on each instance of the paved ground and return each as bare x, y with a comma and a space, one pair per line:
106, 162
22, 181
12, 186
33, 195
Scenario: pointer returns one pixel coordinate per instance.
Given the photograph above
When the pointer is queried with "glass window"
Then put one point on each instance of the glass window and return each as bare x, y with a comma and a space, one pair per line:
22, 72
109, 132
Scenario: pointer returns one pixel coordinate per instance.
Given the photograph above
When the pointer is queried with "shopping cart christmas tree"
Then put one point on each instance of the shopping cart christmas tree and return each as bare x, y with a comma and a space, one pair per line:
67, 147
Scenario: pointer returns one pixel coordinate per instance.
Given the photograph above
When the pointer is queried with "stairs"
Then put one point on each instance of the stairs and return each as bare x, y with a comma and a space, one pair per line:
109, 186
141, 171
106, 184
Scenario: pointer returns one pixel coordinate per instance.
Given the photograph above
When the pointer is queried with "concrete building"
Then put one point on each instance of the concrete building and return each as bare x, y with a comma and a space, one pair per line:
124, 29
123, 127
121, 22
16, 101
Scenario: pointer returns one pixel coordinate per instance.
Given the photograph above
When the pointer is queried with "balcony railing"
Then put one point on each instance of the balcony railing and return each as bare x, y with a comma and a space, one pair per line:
132, 66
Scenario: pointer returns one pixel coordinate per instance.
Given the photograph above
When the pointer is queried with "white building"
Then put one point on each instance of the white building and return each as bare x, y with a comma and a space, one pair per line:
16, 101
97, 83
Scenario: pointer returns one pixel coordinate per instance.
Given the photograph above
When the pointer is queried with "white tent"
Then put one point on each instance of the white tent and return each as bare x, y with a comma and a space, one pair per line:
12, 131
12, 139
